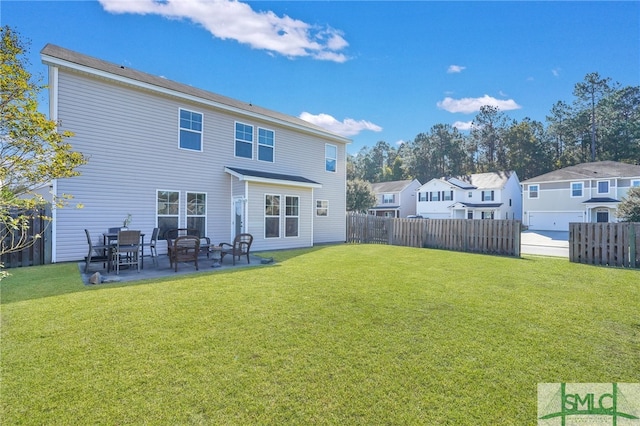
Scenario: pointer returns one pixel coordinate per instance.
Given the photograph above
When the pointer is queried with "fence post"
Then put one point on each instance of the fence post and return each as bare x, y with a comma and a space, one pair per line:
632, 245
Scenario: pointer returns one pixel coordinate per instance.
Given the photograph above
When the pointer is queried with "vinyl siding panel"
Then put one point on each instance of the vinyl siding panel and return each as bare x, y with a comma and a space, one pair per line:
130, 137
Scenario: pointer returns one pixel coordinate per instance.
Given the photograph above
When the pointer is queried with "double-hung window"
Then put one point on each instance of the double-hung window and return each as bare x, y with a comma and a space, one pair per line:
167, 210
266, 145
487, 195
190, 130
291, 216
603, 187
244, 140
533, 191
435, 196
322, 208
423, 196
330, 158
447, 195
271, 216
635, 182
388, 198
197, 211
576, 189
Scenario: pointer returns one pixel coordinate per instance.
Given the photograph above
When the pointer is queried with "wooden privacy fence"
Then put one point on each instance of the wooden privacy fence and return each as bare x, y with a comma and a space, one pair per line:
477, 236
36, 253
612, 244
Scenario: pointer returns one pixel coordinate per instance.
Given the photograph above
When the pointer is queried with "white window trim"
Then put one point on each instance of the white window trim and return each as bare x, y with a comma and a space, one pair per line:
167, 215
581, 189
285, 216
235, 140
264, 205
201, 132
326, 158
598, 187
322, 208
384, 198
537, 192
186, 210
258, 144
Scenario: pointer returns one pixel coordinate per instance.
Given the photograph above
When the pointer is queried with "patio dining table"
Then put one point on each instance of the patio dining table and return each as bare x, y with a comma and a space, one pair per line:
108, 239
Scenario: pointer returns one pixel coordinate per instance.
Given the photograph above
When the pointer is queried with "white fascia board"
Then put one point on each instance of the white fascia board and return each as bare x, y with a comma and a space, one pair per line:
50, 60
256, 179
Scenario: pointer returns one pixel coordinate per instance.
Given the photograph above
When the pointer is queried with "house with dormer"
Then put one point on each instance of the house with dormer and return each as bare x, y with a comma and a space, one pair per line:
477, 196
587, 192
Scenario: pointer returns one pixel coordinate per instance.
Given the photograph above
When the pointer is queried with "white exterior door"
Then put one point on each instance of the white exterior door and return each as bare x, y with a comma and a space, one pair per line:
239, 213
552, 221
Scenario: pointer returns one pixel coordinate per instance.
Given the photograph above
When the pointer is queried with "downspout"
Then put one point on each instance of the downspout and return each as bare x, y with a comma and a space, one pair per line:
53, 115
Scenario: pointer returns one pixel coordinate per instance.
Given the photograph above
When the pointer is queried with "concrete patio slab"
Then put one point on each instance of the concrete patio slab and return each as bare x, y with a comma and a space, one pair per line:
162, 269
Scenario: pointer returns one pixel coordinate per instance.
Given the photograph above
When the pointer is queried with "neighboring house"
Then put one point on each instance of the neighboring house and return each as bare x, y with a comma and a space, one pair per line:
395, 199
477, 196
172, 155
588, 192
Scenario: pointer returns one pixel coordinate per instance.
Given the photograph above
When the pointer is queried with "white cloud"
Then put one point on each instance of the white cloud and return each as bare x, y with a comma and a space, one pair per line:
454, 69
347, 127
469, 105
463, 125
229, 19
556, 72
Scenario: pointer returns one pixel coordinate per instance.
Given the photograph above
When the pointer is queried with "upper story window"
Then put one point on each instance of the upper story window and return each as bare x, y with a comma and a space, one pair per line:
603, 187
447, 195
635, 182
423, 196
330, 157
576, 189
266, 144
244, 140
533, 191
487, 195
470, 194
435, 196
190, 130
388, 198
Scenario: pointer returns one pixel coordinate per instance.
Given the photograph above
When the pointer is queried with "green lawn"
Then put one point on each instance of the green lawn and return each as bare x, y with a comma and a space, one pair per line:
347, 334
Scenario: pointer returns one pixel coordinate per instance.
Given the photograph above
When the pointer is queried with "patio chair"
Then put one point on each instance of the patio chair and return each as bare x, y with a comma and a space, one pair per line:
152, 244
184, 248
240, 247
126, 251
98, 253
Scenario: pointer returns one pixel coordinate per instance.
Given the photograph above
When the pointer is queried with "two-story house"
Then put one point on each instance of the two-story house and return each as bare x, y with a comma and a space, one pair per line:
587, 192
172, 155
477, 196
395, 199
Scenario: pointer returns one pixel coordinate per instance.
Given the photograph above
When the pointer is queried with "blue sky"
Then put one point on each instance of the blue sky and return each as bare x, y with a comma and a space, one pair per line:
372, 71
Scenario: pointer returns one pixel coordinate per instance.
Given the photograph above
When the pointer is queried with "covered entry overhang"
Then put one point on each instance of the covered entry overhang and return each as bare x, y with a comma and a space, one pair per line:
277, 209
601, 209
271, 178
463, 210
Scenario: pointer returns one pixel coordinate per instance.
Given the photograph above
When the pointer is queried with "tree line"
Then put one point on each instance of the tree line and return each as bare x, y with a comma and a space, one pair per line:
601, 123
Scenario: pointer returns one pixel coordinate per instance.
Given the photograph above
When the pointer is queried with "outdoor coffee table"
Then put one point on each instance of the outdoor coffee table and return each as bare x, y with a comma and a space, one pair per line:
216, 252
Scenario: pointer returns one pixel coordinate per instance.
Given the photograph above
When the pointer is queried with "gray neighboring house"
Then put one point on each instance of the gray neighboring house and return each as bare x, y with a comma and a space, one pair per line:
587, 192
395, 199
493, 195
173, 155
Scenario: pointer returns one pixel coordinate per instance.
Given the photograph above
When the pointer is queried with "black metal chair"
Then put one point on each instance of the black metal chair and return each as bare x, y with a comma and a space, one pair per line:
240, 247
98, 253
